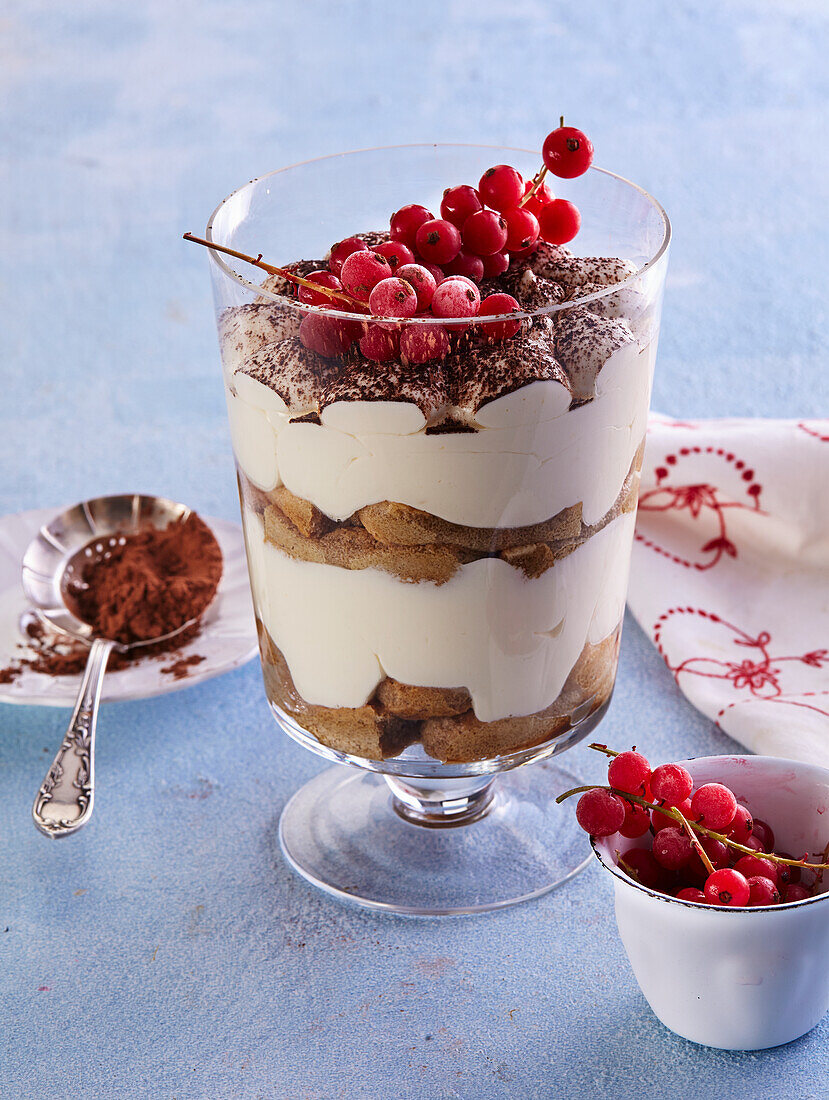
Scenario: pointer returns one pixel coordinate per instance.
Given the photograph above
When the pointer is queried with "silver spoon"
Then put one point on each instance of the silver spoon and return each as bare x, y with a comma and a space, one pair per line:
63, 803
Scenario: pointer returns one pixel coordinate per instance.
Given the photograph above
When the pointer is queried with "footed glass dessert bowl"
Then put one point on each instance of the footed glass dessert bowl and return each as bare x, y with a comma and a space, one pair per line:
438, 497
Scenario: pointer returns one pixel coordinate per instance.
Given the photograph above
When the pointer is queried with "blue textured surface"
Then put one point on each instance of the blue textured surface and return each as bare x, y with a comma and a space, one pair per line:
167, 950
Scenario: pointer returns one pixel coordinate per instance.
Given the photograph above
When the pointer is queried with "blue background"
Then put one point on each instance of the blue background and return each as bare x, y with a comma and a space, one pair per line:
167, 950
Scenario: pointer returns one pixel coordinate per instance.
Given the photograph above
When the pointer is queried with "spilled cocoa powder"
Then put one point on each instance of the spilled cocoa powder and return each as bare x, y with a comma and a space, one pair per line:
180, 668
143, 586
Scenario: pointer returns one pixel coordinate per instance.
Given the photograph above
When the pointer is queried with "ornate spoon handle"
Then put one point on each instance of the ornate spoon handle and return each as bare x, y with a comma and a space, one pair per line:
64, 802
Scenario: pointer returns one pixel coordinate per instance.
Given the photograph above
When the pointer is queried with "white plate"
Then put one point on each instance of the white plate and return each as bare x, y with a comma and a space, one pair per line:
227, 639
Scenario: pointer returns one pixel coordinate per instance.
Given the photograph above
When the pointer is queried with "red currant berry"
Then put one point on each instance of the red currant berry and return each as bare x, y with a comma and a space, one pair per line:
796, 891
714, 805
406, 222
423, 343
423, 282
567, 152
727, 887
437, 273
342, 250
756, 865
559, 221
456, 297
540, 197
740, 828
495, 265
522, 229
393, 298
362, 271
762, 891
484, 233
671, 784
637, 821
313, 297
690, 893
494, 305
438, 241
522, 253
380, 343
762, 831
463, 278
465, 263
645, 867
629, 771
458, 203
351, 330
663, 821
324, 335
501, 187
599, 812
716, 851
755, 843
786, 873
395, 252
671, 848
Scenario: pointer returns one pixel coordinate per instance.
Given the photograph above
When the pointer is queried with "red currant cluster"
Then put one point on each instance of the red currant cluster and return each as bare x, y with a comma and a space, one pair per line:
706, 847
430, 267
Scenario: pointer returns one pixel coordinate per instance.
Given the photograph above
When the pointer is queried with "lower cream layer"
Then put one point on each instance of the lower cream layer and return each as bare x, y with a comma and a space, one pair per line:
511, 641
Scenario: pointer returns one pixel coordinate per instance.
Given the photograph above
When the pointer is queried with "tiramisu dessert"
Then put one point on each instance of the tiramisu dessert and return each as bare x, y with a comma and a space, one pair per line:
438, 431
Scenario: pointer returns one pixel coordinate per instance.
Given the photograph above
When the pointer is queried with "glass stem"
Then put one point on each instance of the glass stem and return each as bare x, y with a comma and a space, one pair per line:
442, 803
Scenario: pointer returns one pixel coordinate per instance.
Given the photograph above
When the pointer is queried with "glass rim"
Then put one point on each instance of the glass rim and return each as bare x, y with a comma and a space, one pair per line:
519, 315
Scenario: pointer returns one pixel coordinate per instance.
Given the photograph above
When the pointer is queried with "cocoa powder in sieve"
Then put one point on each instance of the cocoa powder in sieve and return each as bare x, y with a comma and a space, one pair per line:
148, 584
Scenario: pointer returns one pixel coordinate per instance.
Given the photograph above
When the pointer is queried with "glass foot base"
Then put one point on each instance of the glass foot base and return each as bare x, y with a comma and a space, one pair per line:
347, 833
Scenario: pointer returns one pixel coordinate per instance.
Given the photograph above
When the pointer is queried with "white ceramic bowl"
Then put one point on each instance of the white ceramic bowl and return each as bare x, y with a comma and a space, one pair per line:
738, 979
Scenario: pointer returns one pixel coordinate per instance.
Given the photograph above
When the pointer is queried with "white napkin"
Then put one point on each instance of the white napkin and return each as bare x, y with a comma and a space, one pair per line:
730, 574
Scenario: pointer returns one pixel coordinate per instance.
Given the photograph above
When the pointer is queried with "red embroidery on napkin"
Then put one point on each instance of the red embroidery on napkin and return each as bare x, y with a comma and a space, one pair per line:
812, 431
677, 424
700, 499
762, 676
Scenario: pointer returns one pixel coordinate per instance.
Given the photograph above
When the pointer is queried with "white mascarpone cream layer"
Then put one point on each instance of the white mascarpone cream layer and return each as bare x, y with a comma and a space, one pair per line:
510, 640
530, 458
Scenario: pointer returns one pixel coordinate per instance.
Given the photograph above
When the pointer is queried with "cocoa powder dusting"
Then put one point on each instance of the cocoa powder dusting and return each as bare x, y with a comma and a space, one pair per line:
148, 584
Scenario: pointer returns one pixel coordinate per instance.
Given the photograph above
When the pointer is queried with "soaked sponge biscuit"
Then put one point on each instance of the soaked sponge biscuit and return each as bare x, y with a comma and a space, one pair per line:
355, 548
304, 515
595, 670
415, 703
465, 738
367, 731
401, 525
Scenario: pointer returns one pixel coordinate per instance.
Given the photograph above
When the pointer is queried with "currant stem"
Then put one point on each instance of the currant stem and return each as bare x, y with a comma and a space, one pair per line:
672, 812
692, 836
819, 875
631, 872
257, 261
603, 748
538, 179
